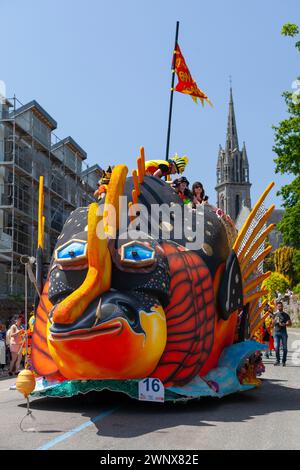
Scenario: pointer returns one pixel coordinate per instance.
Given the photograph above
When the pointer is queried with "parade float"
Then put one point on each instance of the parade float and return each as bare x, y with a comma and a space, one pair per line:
159, 308
146, 295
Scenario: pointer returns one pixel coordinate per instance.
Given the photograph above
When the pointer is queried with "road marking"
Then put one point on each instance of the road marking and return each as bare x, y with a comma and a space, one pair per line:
71, 433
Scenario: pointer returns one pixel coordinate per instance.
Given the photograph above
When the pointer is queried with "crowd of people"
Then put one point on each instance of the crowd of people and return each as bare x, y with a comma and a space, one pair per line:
284, 297
13, 344
164, 168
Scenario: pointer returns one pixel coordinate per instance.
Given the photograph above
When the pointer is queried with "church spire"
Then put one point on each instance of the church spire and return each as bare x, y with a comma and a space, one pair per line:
244, 155
231, 137
233, 185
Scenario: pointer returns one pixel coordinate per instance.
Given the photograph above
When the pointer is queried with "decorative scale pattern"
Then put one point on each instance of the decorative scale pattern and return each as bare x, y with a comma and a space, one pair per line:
190, 332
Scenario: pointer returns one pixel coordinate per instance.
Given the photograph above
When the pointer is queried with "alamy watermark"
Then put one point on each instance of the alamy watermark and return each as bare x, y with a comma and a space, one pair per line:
162, 221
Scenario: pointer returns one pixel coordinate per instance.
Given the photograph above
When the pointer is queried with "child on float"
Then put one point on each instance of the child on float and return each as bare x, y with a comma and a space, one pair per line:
102, 184
160, 168
181, 187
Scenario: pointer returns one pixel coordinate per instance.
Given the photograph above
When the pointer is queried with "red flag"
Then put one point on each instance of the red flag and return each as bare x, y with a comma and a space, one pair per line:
186, 84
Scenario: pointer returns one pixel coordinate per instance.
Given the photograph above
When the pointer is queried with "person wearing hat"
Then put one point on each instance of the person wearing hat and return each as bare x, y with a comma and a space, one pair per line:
181, 187
160, 168
102, 184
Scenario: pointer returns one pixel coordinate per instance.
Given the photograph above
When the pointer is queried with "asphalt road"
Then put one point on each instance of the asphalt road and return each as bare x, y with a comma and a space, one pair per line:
266, 418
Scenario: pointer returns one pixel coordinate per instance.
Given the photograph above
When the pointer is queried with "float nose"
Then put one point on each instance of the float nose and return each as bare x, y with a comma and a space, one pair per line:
98, 279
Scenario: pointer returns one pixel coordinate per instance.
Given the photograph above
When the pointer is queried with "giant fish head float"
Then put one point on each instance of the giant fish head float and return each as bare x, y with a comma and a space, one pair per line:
148, 304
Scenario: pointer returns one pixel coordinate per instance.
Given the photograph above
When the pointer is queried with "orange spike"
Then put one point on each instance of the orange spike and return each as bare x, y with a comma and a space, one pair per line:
259, 324
115, 189
255, 282
254, 247
256, 230
140, 170
134, 197
253, 307
136, 182
142, 155
251, 217
255, 295
256, 262
257, 312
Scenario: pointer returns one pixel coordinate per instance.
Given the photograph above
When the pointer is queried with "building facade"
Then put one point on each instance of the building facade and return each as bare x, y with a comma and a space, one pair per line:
233, 183
30, 149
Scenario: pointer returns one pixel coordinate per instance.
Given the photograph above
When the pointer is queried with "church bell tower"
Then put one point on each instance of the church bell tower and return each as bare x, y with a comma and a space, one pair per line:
233, 185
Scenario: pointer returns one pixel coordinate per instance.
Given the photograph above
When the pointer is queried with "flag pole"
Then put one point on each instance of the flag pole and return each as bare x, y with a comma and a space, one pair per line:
172, 91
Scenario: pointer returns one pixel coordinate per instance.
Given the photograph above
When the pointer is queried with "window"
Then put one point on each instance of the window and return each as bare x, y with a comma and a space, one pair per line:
222, 203
70, 159
41, 131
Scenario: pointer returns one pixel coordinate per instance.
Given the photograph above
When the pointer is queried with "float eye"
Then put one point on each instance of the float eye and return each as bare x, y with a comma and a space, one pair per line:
74, 250
137, 254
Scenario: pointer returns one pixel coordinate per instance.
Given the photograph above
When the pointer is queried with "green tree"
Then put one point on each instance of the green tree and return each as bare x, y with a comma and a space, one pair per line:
284, 263
297, 290
276, 282
290, 29
296, 262
287, 148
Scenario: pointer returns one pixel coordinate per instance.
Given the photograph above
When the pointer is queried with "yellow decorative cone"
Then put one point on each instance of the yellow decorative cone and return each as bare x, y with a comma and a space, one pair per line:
25, 382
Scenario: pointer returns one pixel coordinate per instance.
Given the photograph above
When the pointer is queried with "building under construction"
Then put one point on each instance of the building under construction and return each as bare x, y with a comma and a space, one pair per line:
30, 149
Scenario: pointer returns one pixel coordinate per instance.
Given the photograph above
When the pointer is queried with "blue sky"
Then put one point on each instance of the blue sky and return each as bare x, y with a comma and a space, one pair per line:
102, 70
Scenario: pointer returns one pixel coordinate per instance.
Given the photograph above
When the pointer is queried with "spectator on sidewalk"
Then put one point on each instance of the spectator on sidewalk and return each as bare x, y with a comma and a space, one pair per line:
2, 347
280, 322
279, 296
15, 345
288, 296
268, 330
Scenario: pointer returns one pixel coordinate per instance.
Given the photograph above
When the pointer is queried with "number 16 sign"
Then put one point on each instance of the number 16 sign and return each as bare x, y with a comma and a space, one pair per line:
151, 390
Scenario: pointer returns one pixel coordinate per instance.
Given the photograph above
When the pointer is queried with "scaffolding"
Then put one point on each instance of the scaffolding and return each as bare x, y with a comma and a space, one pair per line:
28, 149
